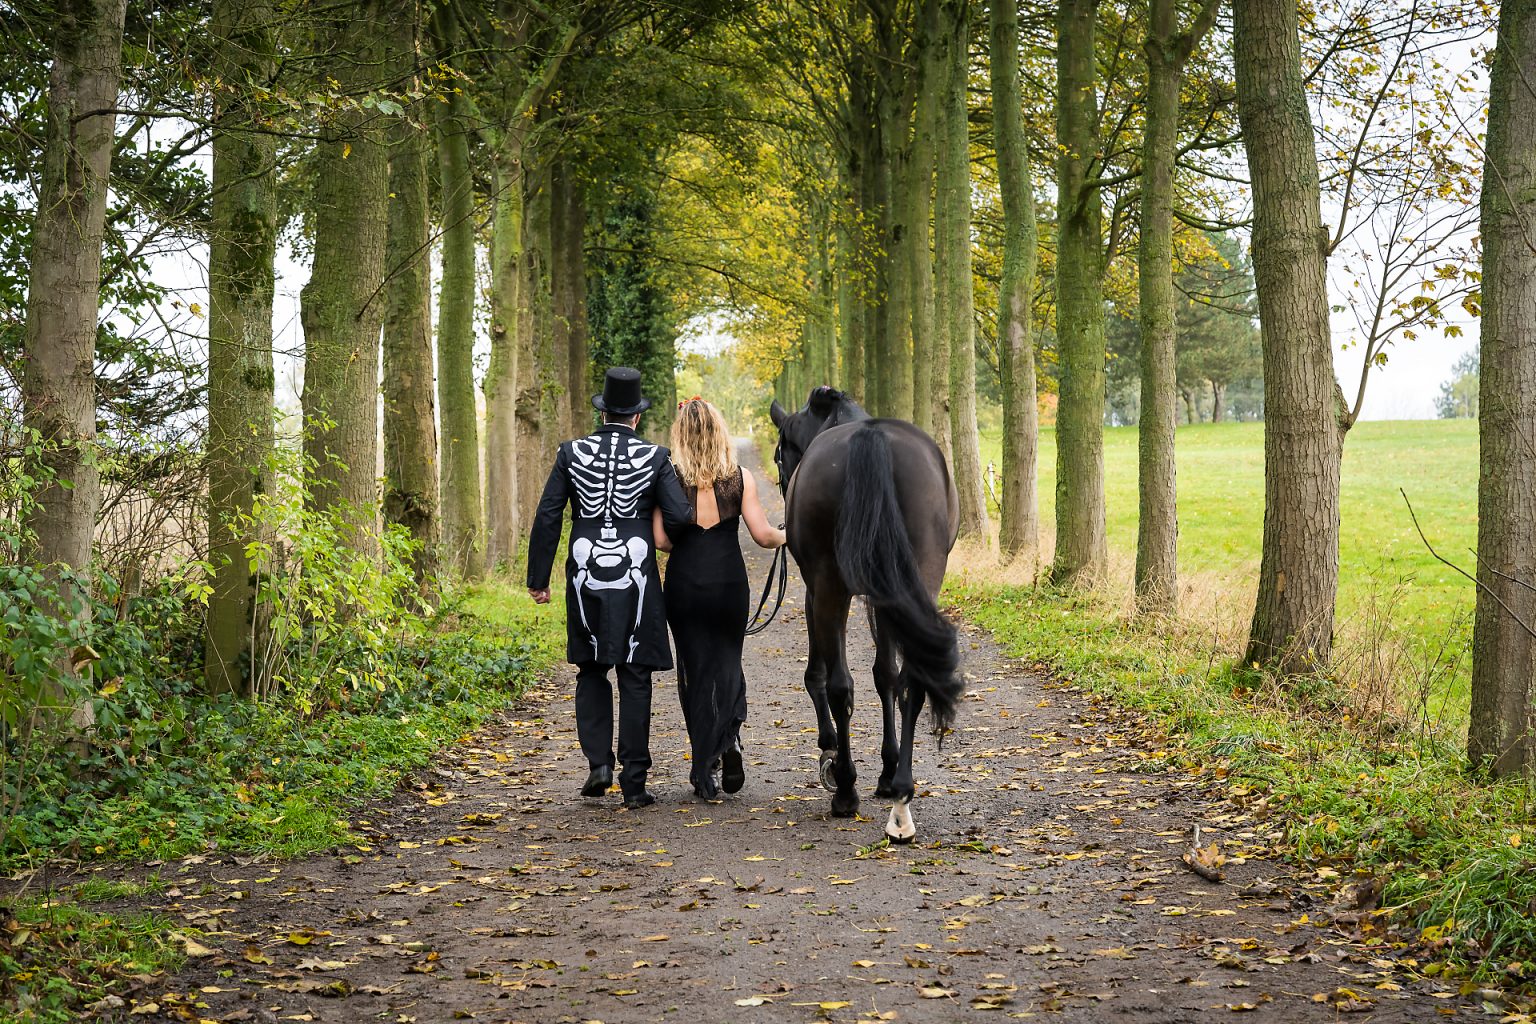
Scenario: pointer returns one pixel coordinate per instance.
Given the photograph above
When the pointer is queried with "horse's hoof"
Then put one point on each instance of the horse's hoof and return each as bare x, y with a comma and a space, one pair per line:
844, 808
828, 765
883, 790
899, 827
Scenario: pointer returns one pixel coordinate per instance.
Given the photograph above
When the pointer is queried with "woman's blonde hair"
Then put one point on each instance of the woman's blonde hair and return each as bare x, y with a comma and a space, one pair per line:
701, 444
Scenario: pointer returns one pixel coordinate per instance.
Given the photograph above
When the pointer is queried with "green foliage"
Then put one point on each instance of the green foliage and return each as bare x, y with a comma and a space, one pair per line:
631, 318
1458, 396
331, 607
167, 770
360, 688
1359, 800
723, 380
57, 958
1218, 343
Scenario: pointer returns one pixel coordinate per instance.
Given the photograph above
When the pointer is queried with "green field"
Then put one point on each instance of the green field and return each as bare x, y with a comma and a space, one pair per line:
1383, 564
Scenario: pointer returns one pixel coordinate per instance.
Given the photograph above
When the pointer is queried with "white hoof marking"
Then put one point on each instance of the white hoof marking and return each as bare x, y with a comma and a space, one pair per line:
900, 827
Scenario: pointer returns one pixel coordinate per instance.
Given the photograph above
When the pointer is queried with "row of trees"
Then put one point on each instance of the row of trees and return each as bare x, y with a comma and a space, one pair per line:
1360, 173
853, 188
373, 135
1142, 147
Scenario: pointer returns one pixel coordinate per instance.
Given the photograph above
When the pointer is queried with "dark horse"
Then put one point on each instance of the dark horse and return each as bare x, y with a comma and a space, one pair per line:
870, 510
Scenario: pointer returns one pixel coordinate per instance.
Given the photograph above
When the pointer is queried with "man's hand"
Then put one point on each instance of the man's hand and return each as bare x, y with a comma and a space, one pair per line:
539, 596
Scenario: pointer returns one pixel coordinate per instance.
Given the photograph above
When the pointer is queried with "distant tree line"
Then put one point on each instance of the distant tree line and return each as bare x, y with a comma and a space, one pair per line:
1458, 396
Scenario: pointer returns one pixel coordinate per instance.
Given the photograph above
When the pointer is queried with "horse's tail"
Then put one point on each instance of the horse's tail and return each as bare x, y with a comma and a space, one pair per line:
874, 554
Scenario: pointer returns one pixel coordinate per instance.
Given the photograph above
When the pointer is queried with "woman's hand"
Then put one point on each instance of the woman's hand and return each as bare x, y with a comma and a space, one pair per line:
659, 531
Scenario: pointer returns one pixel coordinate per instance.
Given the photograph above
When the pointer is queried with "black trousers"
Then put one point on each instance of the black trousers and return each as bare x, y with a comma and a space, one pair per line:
594, 720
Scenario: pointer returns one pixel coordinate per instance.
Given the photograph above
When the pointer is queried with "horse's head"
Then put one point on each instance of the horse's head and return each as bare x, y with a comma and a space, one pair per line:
826, 407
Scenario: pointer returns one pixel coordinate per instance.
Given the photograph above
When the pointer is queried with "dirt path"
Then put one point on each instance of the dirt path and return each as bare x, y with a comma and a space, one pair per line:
1045, 883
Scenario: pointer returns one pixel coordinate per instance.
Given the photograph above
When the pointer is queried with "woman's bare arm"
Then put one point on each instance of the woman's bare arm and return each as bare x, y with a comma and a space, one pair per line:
659, 531
763, 535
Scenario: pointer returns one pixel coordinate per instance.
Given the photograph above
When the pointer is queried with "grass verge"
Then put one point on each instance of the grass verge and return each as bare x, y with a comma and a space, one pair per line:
261, 777
1363, 799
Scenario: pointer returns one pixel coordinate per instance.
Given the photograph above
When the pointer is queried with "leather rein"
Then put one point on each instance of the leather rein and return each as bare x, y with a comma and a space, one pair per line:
778, 567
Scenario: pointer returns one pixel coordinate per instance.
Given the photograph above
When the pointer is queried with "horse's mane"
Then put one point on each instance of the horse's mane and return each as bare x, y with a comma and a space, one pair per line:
826, 402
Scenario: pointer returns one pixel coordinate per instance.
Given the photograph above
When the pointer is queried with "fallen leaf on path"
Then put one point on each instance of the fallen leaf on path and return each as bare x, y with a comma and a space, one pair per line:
192, 946
314, 964
1205, 861
304, 936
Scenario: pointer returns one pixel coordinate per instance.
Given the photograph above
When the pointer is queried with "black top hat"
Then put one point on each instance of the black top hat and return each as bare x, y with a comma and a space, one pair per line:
621, 393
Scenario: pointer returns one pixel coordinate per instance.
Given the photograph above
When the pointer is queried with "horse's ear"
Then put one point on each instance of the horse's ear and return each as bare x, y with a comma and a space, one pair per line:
777, 414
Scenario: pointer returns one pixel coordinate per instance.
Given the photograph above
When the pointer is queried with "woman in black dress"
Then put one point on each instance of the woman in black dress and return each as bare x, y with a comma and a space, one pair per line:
707, 592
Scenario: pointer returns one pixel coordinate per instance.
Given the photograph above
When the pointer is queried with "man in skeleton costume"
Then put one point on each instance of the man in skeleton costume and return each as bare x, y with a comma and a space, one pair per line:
615, 617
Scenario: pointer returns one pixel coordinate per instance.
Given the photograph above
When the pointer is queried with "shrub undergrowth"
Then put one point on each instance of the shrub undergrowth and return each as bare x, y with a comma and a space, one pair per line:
112, 748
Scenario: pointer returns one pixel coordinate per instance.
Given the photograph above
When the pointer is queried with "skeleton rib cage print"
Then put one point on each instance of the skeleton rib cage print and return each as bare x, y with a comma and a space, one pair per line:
609, 483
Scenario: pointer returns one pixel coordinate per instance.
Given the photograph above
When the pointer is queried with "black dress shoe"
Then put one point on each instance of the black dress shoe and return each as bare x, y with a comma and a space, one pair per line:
639, 800
599, 782
733, 775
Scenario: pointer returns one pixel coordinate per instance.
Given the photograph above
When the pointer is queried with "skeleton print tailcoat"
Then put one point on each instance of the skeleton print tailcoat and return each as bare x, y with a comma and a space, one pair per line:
613, 607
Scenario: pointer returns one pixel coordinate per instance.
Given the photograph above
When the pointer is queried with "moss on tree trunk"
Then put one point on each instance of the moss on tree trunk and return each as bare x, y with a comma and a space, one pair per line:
242, 246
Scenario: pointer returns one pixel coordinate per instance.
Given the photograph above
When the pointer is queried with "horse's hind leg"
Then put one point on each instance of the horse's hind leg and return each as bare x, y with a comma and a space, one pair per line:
900, 827
816, 687
887, 684
829, 626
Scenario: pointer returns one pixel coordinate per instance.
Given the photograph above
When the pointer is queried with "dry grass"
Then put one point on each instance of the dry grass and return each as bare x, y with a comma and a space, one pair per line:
1384, 678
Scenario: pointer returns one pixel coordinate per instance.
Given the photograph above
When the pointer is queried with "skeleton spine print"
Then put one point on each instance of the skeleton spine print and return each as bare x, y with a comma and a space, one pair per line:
610, 473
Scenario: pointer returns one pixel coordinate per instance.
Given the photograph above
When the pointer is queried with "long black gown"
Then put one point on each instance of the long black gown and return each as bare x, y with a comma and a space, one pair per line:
707, 597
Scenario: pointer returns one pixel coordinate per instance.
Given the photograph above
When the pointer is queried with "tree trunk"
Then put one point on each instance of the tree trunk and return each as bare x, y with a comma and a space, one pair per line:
1299, 569
896, 349
1082, 552
1020, 528
876, 218
460, 440
410, 426
926, 389
501, 463
1503, 651
539, 373
64, 280
953, 233
1218, 401
242, 246
571, 299
851, 282
1157, 526
342, 306
1191, 413
821, 364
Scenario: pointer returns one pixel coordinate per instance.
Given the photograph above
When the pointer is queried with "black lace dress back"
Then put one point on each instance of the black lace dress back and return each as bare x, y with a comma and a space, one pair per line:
707, 594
